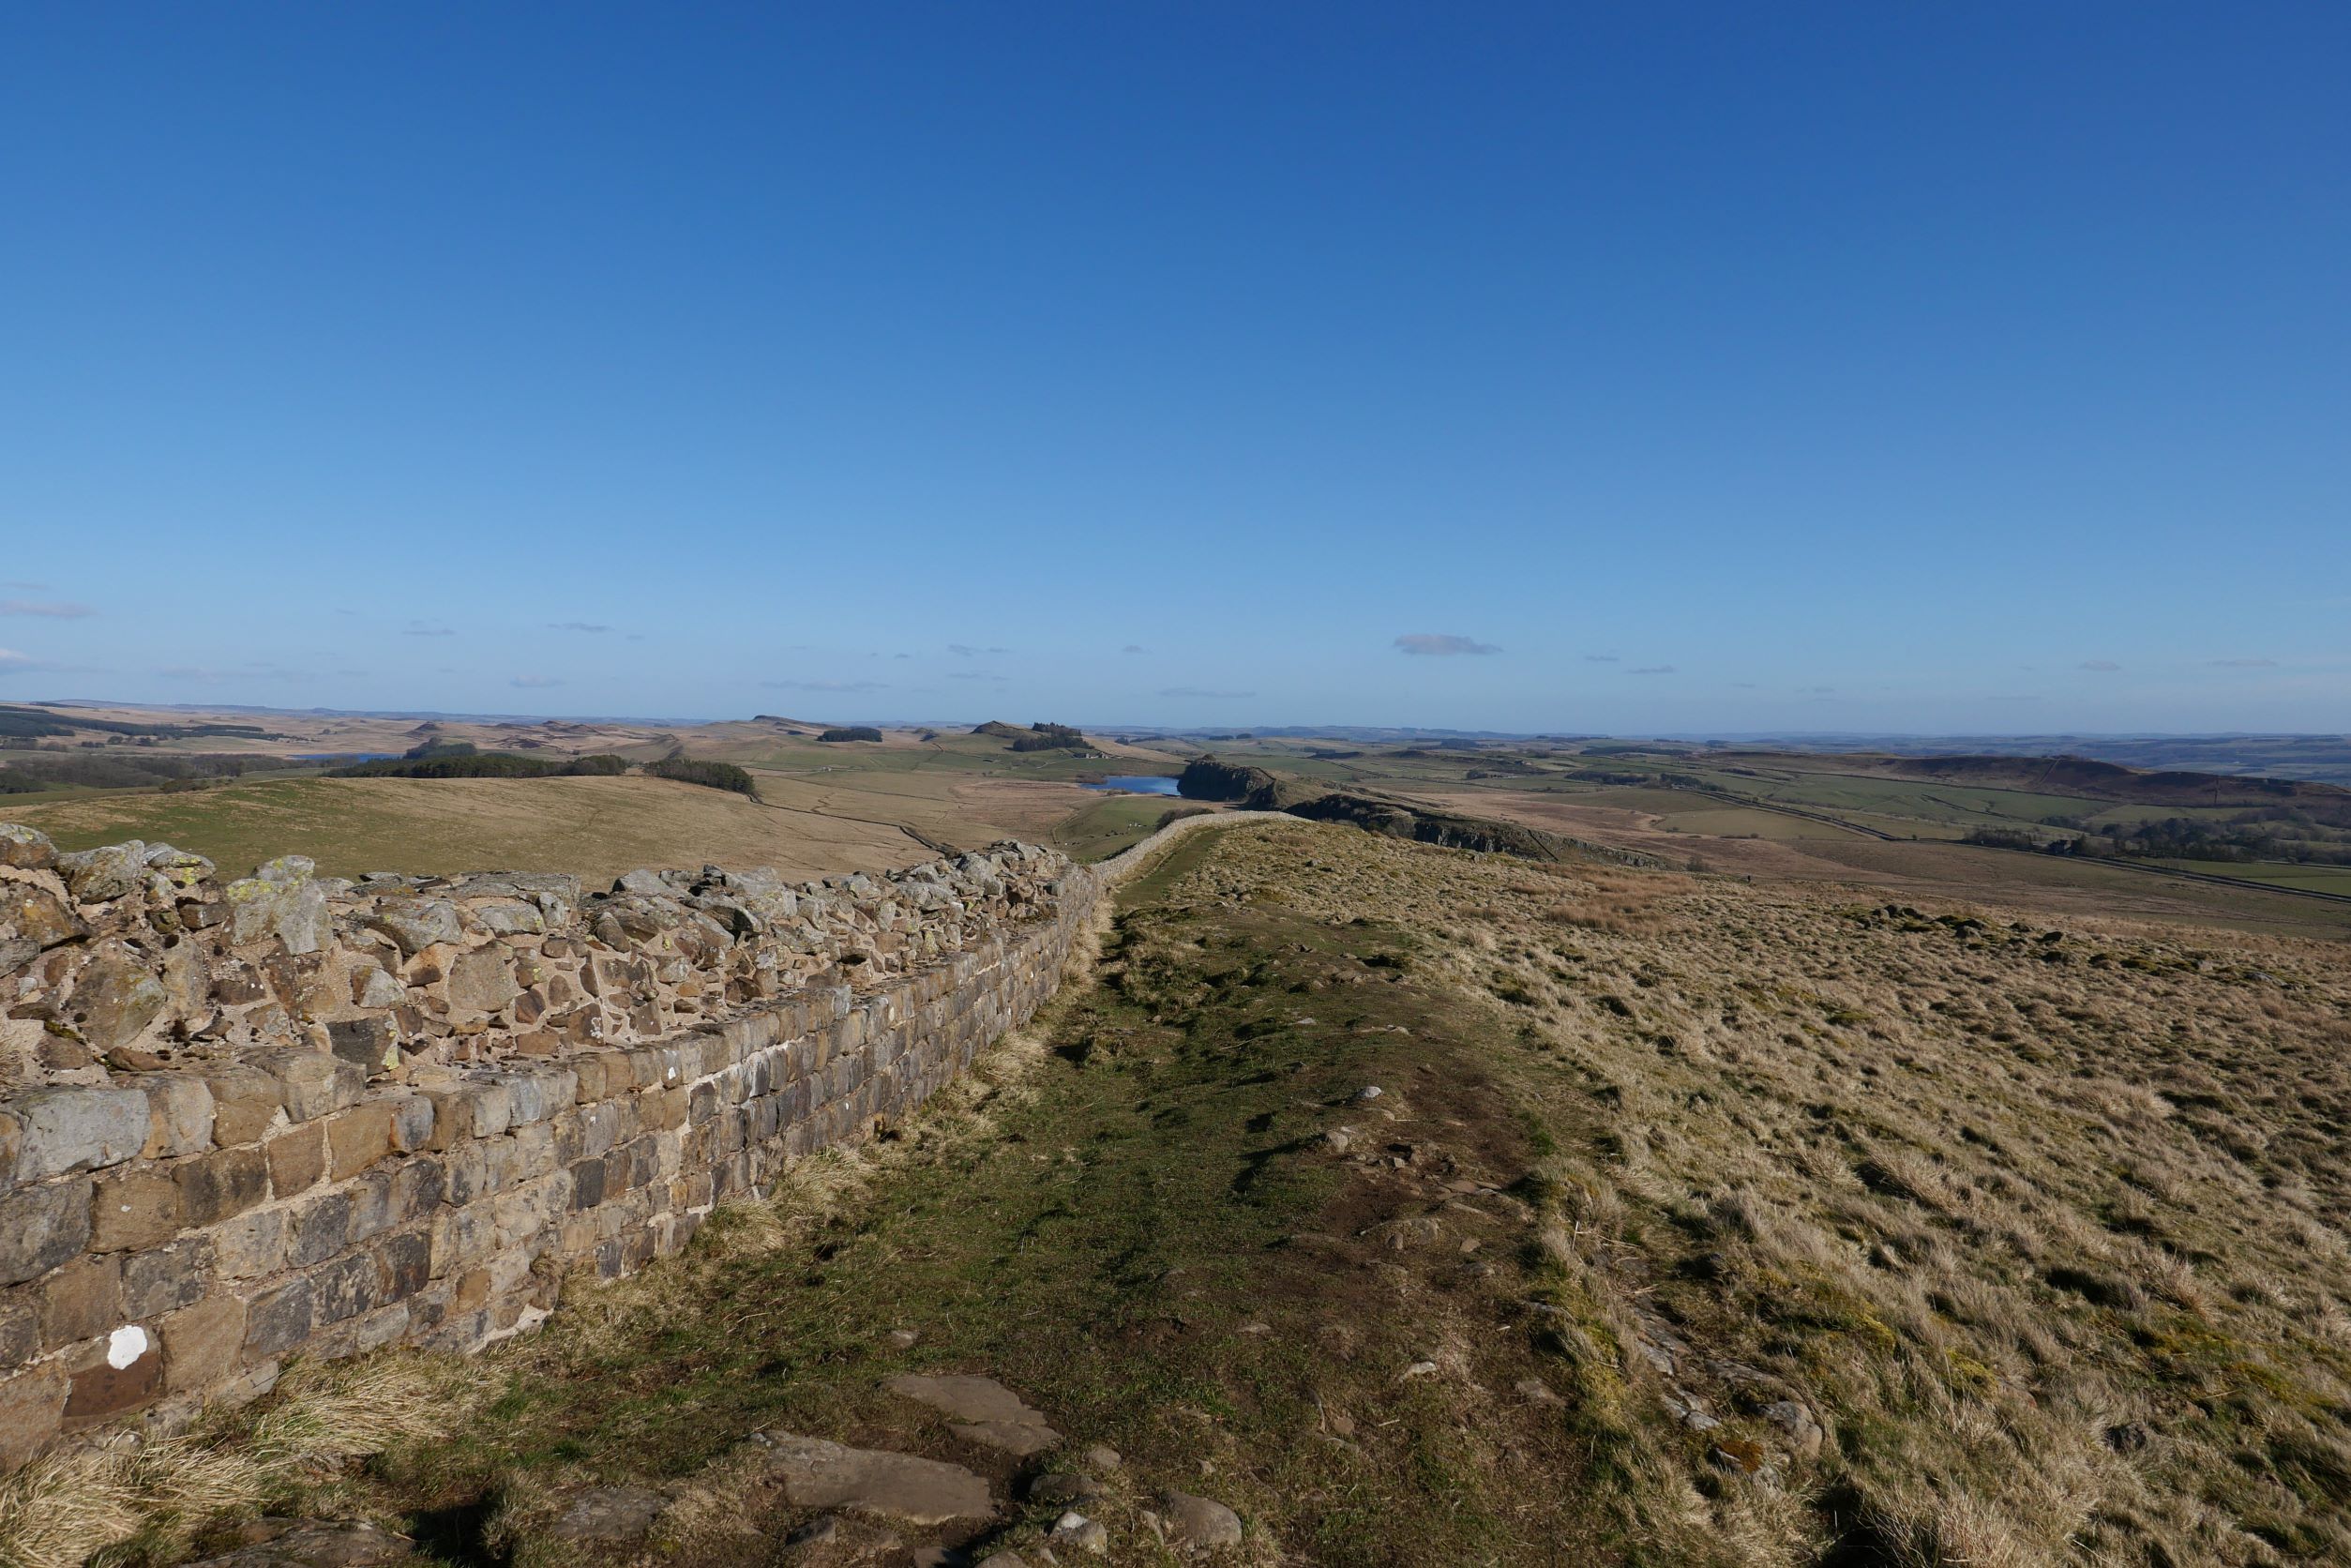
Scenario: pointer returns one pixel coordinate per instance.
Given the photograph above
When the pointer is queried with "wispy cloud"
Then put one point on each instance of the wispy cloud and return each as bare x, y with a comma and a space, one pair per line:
1600, 658
825, 685
591, 628
428, 628
18, 585
974, 675
1654, 669
237, 672
1200, 691
52, 610
1132, 648
2244, 664
2100, 666
964, 650
1441, 644
11, 659
535, 683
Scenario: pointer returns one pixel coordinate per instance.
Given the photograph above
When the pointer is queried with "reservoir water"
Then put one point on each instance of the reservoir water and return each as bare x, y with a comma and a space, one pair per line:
1137, 784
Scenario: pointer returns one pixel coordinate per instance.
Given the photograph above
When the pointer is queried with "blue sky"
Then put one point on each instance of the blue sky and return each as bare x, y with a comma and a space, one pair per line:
1661, 367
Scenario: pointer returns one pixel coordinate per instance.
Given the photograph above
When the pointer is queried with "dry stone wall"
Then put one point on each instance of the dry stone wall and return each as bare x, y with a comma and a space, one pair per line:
291, 1114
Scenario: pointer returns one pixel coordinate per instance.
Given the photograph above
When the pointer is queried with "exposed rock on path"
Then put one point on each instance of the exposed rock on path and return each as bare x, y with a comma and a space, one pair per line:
989, 1414
819, 1474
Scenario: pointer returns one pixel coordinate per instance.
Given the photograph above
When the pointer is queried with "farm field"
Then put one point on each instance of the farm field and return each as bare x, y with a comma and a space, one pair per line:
598, 827
2318, 878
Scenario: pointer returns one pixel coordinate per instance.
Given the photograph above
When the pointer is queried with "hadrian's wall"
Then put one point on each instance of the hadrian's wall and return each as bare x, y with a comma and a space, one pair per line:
288, 1113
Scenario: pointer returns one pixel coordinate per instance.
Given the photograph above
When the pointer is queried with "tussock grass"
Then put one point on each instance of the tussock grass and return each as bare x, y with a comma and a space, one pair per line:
2047, 1227
121, 1500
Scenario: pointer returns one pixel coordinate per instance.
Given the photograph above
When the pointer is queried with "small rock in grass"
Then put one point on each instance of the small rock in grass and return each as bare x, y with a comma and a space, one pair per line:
1059, 1488
1535, 1391
902, 1339
1083, 1534
1420, 1369
1200, 1521
1004, 1559
1101, 1457
1370, 1092
816, 1532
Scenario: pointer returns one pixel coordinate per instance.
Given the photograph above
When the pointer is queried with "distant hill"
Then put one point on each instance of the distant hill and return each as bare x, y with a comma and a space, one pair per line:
2097, 780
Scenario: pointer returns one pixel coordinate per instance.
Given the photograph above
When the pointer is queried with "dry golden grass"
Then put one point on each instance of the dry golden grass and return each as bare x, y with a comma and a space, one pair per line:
121, 1500
2048, 1231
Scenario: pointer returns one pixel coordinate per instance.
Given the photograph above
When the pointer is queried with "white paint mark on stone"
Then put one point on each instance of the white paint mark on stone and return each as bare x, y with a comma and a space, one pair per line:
126, 1345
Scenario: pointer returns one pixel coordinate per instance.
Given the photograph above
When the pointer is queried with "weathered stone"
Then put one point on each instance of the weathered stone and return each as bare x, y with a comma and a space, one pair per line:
130, 1375
819, 1474
180, 868
104, 874
74, 1128
31, 1405
20, 1331
607, 1516
115, 1000
246, 1101
133, 1209
166, 1278
416, 924
25, 848
83, 1300
373, 986
179, 1115
1060, 1488
200, 1342
1199, 1521
357, 1138
36, 916
277, 1320
482, 981
226, 1182
370, 1043
297, 1159
305, 1544
281, 899
312, 1083
186, 982
42, 1227
508, 917
1796, 1420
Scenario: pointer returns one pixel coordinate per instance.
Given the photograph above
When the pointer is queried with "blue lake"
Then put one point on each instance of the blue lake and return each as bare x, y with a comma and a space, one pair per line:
1137, 784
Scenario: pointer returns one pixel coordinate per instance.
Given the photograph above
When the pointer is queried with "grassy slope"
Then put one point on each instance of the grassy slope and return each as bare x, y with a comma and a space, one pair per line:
596, 826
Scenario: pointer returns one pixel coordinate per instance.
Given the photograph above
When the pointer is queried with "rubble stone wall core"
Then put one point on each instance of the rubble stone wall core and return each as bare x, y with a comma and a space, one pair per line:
289, 1114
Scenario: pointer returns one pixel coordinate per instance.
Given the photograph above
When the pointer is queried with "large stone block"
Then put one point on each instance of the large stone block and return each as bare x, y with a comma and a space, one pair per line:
358, 1138
277, 1321
75, 1128
31, 1405
245, 1102
312, 1083
201, 1342
83, 1300
42, 1227
297, 1158
135, 1207
225, 1182
180, 1115
167, 1278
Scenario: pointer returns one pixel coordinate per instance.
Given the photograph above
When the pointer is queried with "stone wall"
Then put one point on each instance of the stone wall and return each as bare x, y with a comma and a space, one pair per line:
288, 1114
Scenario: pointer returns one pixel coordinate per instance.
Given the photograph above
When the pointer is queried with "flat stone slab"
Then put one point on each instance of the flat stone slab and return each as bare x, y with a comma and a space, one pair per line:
337, 1544
1019, 1438
617, 1516
985, 1412
967, 1398
819, 1474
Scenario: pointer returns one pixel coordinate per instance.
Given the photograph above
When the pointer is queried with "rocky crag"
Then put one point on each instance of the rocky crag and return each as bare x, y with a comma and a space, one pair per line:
243, 1119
